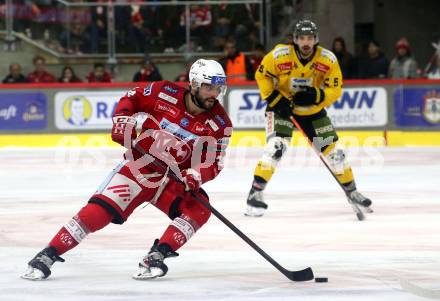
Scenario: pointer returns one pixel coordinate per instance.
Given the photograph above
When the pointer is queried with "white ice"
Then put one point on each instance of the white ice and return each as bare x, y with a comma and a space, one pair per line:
308, 223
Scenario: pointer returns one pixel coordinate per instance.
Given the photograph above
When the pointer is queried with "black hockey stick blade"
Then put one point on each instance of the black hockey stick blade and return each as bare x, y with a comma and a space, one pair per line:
298, 276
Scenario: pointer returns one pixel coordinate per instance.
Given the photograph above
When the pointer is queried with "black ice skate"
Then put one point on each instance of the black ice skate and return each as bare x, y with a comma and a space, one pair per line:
357, 198
152, 265
39, 266
255, 203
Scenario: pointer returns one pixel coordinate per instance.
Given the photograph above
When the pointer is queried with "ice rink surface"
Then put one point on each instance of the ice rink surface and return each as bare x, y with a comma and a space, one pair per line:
308, 223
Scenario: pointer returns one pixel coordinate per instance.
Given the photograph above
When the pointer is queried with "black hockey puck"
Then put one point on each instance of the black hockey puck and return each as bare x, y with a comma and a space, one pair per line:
321, 279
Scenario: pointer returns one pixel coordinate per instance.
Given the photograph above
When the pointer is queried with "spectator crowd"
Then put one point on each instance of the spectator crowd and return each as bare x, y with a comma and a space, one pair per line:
99, 74
240, 67
138, 28
373, 64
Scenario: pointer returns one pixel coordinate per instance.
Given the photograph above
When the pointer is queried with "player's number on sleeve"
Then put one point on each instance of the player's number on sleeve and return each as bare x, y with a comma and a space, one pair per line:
336, 82
261, 69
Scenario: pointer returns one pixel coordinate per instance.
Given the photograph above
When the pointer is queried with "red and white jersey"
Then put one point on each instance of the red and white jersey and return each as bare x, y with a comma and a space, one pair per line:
174, 136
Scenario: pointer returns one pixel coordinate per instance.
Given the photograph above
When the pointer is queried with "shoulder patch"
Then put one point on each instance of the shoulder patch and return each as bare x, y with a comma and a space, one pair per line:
328, 54
147, 90
170, 89
220, 120
281, 51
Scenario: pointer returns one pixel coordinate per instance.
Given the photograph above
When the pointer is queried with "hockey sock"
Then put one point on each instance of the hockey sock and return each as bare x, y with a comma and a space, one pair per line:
350, 186
90, 218
264, 171
179, 232
259, 183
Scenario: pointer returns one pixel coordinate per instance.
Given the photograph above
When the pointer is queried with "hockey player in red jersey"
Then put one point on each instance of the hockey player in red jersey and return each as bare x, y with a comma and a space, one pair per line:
185, 133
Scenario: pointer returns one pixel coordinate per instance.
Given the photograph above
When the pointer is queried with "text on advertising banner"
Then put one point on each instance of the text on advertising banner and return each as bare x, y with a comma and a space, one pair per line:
23, 111
360, 107
357, 108
246, 108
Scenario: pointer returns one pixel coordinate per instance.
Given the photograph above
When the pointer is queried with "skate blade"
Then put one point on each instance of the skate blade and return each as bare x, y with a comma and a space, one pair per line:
148, 274
143, 277
367, 209
33, 275
254, 211
365, 206
359, 214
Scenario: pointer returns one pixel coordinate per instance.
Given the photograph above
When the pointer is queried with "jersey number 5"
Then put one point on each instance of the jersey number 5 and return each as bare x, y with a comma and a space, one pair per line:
335, 82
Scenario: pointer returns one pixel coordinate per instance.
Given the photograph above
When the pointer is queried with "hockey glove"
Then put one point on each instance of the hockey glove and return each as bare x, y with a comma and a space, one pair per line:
279, 104
192, 179
123, 125
308, 96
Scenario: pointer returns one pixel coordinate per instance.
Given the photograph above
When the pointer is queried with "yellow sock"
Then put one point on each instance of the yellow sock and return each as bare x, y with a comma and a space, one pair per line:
346, 177
264, 170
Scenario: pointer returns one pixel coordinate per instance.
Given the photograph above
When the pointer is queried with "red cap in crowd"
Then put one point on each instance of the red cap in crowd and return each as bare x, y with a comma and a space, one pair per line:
136, 18
402, 43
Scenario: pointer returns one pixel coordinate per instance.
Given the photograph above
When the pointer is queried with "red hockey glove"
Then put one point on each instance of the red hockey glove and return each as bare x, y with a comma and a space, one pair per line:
192, 179
123, 125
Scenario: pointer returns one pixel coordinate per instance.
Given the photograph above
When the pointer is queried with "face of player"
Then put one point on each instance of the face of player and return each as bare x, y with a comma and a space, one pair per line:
207, 94
305, 44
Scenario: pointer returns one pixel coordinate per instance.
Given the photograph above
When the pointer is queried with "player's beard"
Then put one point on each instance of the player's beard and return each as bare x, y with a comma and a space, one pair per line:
206, 103
306, 51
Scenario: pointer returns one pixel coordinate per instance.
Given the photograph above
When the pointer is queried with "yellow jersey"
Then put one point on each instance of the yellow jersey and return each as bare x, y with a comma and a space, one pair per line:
282, 70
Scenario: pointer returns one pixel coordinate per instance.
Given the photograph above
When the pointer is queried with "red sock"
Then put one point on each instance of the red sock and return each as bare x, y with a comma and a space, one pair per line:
179, 232
90, 218
173, 237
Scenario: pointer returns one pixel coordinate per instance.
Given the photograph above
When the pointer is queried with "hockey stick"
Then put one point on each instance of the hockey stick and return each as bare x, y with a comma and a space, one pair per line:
301, 275
360, 215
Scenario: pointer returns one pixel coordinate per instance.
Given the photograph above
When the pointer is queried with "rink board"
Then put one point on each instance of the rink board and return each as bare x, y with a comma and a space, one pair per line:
239, 138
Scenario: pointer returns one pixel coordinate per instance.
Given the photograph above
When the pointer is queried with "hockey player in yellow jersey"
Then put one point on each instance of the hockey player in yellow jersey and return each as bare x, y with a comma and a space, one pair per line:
300, 80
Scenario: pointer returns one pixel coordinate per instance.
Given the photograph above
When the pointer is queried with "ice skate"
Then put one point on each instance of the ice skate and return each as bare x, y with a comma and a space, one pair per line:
255, 204
359, 199
39, 266
152, 265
